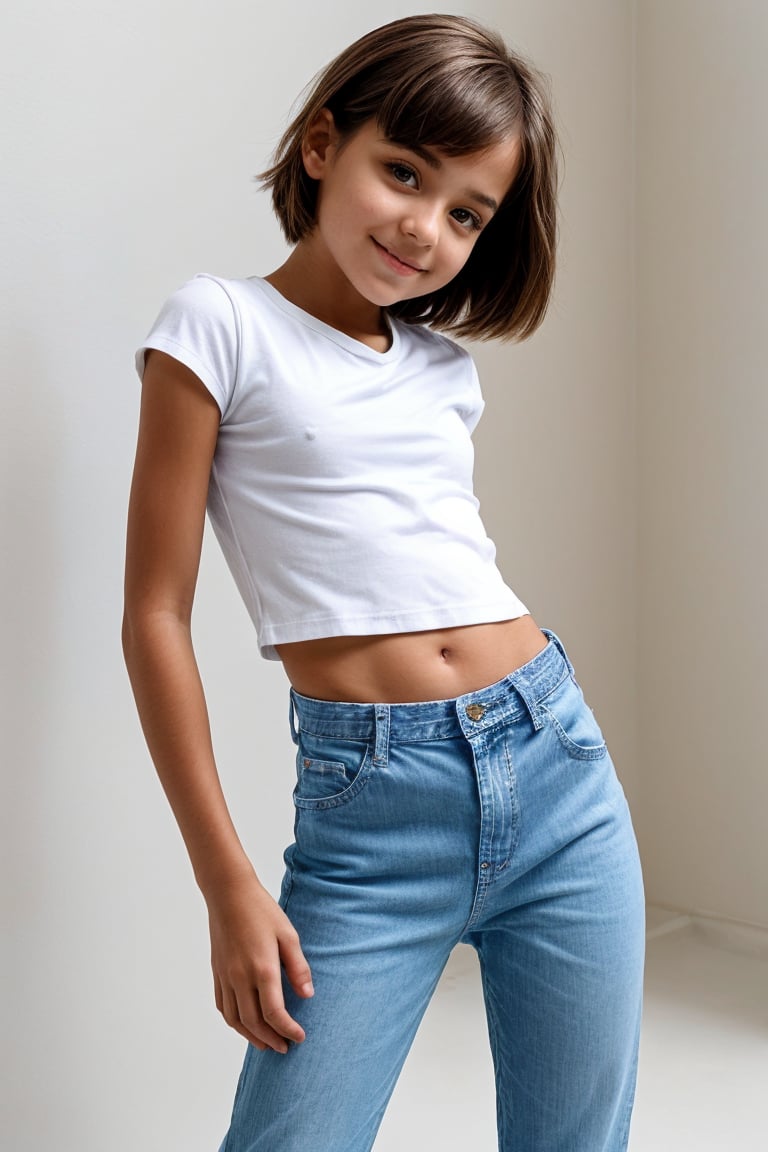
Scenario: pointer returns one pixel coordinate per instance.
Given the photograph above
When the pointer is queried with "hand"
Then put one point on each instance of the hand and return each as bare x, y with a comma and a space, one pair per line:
251, 939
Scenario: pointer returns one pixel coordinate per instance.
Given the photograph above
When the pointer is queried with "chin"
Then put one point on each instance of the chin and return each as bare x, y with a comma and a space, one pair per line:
380, 297
385, 297
382, 293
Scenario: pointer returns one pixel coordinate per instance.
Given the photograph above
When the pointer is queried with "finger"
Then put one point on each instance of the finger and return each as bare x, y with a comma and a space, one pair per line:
252, 1028
251, 1017
261, 1045
237, 1025
296, 967
274, 1012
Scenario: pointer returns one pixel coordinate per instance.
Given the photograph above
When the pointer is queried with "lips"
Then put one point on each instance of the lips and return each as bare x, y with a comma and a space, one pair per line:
405, 267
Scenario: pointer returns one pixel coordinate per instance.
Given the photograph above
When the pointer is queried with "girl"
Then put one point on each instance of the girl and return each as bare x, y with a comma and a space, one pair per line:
452, 785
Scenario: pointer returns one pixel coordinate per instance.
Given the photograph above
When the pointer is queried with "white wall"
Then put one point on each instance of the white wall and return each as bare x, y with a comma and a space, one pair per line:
131, 137
702, 190
555, 470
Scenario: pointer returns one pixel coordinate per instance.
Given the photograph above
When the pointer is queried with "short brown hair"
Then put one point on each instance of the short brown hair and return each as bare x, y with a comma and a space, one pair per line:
447, 82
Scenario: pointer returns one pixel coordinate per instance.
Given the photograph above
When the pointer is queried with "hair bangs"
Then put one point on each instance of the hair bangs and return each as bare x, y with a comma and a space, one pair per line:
458, 110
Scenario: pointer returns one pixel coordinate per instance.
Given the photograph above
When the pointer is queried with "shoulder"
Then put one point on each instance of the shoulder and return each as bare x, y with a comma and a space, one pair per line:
452, 369
205, 295
437, 347
200, 325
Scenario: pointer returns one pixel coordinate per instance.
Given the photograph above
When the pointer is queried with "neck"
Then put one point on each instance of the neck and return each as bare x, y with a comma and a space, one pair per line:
324, 292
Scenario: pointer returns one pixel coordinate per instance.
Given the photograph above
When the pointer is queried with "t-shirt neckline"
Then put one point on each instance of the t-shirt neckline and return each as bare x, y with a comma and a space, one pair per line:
338, 337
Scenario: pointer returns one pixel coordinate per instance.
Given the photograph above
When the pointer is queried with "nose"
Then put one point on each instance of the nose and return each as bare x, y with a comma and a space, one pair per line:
422, 224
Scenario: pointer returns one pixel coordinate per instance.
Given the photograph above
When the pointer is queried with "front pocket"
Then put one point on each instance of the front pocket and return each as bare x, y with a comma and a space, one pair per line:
330, 770
573, 720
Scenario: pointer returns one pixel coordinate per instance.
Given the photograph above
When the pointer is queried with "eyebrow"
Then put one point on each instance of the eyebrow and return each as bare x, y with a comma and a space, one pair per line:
436, 163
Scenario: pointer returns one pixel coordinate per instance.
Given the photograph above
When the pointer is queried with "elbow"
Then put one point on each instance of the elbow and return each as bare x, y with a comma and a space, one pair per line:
145, 626
128, 639
126, 636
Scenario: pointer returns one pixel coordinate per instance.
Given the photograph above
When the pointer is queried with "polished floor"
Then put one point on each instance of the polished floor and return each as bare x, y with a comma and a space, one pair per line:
703, 1080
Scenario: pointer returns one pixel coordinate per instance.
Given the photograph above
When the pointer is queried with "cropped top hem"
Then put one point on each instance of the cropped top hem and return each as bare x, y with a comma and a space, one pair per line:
385, 623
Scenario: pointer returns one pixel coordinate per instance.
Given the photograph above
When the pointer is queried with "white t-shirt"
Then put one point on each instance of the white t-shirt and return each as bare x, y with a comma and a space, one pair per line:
341, 487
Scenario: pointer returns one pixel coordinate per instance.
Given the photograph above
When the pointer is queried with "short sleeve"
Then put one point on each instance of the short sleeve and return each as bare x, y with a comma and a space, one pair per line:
198, 325
473, 410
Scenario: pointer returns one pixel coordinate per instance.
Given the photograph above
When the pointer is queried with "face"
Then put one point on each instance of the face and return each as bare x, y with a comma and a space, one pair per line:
396, 223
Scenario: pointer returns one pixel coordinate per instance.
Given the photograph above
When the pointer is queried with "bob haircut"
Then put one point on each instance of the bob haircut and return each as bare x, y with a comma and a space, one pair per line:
449, 83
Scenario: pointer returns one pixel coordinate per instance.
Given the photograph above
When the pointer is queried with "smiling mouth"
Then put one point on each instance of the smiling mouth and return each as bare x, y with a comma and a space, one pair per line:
396, 261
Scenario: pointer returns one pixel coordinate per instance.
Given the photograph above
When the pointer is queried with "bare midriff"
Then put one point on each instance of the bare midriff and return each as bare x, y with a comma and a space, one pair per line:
404, 667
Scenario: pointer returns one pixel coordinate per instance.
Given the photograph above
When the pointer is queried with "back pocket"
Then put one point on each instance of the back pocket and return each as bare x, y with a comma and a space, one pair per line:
330, 770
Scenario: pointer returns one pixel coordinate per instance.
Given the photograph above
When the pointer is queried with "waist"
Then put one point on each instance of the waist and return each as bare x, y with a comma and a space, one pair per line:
409, 667
507, 699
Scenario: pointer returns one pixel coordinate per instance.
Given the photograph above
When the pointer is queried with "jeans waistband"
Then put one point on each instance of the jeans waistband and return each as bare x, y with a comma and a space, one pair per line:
507, 700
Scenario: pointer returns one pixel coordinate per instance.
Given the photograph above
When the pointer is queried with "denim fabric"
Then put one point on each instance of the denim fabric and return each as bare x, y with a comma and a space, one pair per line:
495, 819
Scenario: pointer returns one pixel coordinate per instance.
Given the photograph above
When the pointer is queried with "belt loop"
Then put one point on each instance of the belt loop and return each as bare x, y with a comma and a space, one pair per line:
294, 733
531, 704
381, 748
559, 645
528, 692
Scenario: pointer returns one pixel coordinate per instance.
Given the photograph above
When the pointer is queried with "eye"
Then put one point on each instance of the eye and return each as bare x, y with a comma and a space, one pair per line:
403, 174
467, 219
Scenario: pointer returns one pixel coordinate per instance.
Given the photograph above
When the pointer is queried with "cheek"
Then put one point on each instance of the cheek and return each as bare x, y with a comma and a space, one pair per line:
373, 200
363, 208
458, 251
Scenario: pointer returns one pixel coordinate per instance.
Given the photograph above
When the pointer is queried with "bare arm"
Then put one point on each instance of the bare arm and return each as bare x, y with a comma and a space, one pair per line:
250, 935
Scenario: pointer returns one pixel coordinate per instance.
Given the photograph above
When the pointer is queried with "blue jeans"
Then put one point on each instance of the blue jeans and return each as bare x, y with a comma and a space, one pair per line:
495, 819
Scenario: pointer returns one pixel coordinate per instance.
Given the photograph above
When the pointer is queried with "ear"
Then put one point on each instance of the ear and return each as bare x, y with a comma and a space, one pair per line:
318, 144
